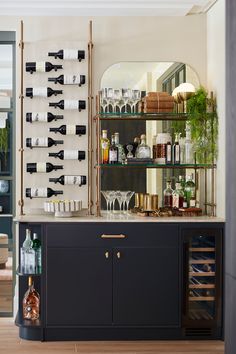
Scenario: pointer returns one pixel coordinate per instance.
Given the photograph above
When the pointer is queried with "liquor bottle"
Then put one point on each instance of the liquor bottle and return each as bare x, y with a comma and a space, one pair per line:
178, 196
38, 253
121, 153
188, 147
176, 151
105, 143
31, 302
143, 150
68, 79
113, 151
41, 192
42, 117
168, 195
27, 255
41, 66
42, 167
69, 180
168, 153
42, 142
182, 182
41, 92
185, 203
189, 189
70, 54
136, 144
70, 129
69, 104
206, 268
68, 155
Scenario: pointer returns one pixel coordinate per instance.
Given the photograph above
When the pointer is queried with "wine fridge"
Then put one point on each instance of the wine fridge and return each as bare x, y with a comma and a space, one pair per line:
202, 282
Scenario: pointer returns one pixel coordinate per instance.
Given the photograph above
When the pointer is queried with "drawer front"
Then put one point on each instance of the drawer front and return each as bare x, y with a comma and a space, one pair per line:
111, 235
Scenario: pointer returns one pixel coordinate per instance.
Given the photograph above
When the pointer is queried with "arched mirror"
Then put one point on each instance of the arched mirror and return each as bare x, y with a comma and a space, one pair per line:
144, 78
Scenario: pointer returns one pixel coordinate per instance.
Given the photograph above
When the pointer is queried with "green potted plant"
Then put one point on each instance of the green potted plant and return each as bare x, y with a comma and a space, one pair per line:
4, 136
203, 122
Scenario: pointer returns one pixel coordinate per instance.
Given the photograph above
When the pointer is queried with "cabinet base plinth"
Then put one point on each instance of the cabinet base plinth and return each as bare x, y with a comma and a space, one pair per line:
30, 333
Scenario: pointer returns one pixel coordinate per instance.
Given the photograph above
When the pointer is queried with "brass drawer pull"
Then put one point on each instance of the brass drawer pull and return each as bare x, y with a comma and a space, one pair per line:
107, 255
113, 236
118, 255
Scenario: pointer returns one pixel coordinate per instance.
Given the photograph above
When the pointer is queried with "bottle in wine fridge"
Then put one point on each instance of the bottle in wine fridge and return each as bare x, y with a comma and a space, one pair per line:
69, 104
70, 129
42, 117
69, 180
42, 167
42, 142
41, 192
68, 79
41, 92
41, 66
31, 302
68, 155
68, 54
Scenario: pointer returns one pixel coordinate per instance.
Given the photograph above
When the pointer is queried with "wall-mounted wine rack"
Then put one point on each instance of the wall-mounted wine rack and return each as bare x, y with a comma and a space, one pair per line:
71, 121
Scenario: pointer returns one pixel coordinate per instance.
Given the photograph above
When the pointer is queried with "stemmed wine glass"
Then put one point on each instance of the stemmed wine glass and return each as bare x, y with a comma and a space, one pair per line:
129, 195
117, 96
136, 96
103, 99
110, 97
106, 196
126, 95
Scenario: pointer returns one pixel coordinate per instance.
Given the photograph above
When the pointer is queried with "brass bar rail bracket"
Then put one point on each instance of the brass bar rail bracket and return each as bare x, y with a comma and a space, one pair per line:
21, 97
90, 120
118, 236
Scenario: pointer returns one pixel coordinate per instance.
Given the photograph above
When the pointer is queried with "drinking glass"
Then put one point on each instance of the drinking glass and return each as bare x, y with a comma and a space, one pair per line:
136, 95
119, 199
110, 98
106, 196
123, 199
111, 200
129, 195
126, 95
103, 99
117, 98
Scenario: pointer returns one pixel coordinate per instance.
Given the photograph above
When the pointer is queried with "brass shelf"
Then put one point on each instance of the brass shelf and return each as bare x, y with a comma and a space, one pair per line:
142, 116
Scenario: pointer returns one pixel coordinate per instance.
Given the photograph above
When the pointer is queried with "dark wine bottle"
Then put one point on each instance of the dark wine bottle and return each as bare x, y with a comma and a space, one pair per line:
113, 151
70, 129
41, 192
42, 117
69, 180
41, 66
176, 152
71, 54
68, 155
42, 142
41, 92
68, 79
168, 153
69, 104
37, 167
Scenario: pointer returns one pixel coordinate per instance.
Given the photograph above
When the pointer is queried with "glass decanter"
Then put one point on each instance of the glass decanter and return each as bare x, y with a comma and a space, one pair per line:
143, 150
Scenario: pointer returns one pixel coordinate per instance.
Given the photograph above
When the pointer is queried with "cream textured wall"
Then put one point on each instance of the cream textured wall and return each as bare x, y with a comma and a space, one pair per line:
116, 39
216, 83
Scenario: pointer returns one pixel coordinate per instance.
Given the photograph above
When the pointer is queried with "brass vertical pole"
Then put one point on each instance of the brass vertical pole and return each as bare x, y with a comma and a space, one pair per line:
90, 121
98, 168
21, 97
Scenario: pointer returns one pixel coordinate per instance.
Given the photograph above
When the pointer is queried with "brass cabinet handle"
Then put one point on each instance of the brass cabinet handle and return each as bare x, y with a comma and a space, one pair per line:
113, 236
118, 255
107, 255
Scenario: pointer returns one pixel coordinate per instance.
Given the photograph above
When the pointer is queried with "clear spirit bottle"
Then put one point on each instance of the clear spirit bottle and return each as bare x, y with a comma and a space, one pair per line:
113, 151
121, 152
31, 302
143, 150
178, 196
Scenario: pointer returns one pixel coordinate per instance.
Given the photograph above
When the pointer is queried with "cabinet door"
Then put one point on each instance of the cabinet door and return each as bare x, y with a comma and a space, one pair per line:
79, 286
146, 286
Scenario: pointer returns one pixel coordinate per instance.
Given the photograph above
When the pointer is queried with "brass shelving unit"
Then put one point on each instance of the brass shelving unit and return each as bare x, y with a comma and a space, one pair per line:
101, 117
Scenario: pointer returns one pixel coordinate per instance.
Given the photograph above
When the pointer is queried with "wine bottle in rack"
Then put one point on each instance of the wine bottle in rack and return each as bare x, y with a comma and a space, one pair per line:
70, 129
41, 192
71, 54
69, 104
41, 92
68, 155
69, 180
68, 79
42, 167
42, 117
42, 142
41, 66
